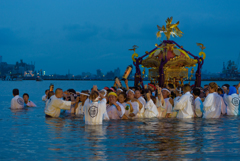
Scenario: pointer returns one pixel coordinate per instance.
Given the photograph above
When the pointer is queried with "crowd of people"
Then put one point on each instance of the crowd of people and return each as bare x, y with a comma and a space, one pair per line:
152, 101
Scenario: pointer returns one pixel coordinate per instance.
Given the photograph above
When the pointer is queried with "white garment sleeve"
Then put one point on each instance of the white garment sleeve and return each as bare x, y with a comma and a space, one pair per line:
44, 98
103, 104
208, 103
65, 105
151, 107
181, 103
122, 112
198, 108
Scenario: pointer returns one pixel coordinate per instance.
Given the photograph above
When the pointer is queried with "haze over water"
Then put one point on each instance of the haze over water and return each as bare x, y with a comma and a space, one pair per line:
27, 134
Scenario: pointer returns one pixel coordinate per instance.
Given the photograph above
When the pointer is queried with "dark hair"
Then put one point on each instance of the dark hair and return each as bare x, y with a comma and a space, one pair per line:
50, 94
71, 91
196, 92
171, 86
226, 85
220, 90
206, 85
25, 94
15, 92
153, 99
93, 95
187, 87
46, 90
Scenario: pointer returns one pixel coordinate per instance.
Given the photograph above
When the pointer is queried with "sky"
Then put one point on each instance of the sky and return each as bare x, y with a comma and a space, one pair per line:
85, 35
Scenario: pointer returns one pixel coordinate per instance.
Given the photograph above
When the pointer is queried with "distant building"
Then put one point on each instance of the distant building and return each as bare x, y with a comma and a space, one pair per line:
99, 73
117, 72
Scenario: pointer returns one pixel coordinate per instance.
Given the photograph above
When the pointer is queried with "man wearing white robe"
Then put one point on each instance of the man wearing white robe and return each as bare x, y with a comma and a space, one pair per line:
185, 104
44, 97
151, 109
55, 104
212, 103
116, 109
17, 102
232, 101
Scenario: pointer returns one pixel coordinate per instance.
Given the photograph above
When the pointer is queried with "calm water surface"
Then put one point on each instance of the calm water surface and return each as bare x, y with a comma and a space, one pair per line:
28, 135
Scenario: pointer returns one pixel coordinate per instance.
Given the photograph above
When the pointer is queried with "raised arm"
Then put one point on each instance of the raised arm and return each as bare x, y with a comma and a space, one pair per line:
126, 82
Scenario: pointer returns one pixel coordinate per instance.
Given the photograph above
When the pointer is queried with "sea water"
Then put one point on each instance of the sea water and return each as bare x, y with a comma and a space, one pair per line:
28, 135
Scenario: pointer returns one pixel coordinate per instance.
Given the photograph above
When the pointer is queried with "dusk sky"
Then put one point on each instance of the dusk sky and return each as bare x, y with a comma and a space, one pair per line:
96, 34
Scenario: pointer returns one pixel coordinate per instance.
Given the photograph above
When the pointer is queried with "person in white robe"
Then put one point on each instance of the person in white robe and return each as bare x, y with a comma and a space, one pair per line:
232, 101
185, 104
28, 103
44, 97
55, 104
140, 98
212, 103
137, 106
94, 108
198, 104
166, 109
150, 108
178, 93
122, 97
17, 102
79, 107
115, 109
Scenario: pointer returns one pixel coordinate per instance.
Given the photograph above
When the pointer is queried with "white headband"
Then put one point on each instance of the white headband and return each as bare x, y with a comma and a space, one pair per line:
85, 94
179, 90
105, 92
120, 89
165, 89
224, 86
130, 91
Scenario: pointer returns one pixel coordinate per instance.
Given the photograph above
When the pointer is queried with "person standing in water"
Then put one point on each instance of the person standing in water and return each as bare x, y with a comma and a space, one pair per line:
232, 101
17, 101
95, 109
55, 104
185, 104
28, 103
212, 103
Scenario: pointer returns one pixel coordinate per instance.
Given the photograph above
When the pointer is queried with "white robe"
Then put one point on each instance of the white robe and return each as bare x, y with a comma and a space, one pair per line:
30, 104
223, 107
79, 109
55, 105
185, 105
198, 107
161, 108
44, 98
113, 113
150, 110
212, 106
135, 107
93, 112
17, 102
141, 112
232, 102
175, 112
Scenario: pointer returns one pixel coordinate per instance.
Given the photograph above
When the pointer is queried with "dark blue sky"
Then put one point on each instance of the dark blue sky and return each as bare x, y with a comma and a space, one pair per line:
87, 35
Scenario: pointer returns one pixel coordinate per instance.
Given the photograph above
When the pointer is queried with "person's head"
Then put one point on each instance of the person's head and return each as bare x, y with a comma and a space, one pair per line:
46, 91
122, 97
83, 96
138, 94
50, 94
130, 94
170, 86
196, 92
59, 93
151, 87
15, 92
25, 97
186, 88
205, 86
112, 97
220, 91
119, 90
93, 96
165, 93
213, 87
178, 91
225, 88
